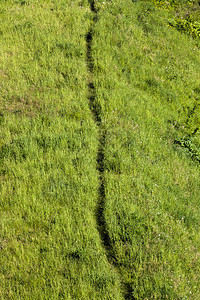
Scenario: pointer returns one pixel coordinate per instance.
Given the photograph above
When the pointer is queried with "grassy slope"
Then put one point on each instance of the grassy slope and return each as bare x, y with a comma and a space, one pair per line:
49, 245
147, 81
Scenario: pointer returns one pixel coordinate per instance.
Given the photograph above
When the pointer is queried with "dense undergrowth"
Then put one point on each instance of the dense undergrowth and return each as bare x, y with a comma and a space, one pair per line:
185, 15
146, 74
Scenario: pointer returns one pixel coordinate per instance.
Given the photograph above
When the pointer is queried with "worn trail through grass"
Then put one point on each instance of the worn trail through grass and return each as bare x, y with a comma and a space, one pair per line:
95, 108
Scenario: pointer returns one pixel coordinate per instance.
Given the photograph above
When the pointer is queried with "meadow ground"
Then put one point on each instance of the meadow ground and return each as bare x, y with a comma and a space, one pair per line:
99, 113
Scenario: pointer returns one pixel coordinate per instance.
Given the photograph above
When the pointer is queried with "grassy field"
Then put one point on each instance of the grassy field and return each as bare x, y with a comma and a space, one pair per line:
50, 246
99, 114
147, 83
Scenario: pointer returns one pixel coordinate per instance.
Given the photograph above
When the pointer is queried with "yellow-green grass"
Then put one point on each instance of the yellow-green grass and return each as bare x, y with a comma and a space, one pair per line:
184, 15
146, 87
147, 83
49, 243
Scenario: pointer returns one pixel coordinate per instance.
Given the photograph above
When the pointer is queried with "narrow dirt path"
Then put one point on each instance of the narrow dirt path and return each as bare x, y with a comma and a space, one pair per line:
96, 111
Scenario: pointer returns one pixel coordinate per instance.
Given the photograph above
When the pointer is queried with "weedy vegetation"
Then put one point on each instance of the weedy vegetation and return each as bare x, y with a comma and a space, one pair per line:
99, 138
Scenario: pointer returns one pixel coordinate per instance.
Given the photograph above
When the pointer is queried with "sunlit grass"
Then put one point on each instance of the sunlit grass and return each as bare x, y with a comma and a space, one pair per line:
50, 246
147, 75
146, 86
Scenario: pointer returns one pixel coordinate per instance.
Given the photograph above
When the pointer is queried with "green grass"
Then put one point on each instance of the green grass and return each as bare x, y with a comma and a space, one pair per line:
146, 86
50, 246
147, 76
184, 15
